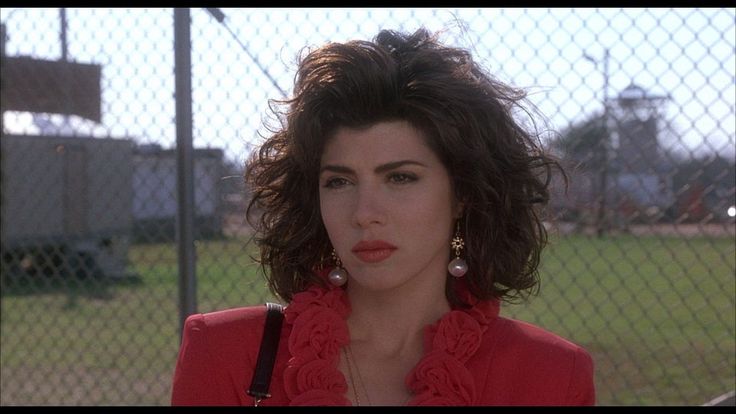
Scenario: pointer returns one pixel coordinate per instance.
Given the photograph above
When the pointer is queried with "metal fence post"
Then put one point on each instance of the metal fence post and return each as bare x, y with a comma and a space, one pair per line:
184, 165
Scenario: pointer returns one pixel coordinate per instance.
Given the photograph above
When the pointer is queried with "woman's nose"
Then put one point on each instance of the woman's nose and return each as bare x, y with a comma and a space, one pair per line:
369, 208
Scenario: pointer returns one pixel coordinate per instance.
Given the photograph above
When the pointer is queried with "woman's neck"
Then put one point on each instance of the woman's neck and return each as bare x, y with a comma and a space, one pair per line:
392, 322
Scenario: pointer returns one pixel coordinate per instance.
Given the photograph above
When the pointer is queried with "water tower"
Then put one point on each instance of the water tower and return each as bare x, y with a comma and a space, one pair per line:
639, 166
636, 115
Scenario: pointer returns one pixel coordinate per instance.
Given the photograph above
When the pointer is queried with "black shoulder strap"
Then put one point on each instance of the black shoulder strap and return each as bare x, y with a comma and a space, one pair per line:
267, 353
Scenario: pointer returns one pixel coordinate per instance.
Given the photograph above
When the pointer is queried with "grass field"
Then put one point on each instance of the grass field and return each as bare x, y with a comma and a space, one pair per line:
656, 313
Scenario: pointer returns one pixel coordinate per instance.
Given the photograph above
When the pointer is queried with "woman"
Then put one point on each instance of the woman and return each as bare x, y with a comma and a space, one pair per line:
398, 205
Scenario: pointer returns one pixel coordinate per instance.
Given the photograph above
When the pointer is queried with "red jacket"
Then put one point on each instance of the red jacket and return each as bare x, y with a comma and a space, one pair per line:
516, 363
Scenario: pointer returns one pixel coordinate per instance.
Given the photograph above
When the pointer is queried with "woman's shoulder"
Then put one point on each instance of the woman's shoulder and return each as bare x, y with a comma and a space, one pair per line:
228, 317
527, 335
537, 346
240, 324
525, 356
539, 349
217, 356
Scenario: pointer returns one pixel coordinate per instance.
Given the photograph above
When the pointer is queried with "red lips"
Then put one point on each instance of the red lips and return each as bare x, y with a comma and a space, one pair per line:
373, 251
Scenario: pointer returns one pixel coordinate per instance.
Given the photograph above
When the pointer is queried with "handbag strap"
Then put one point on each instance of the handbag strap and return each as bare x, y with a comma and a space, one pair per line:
267, 353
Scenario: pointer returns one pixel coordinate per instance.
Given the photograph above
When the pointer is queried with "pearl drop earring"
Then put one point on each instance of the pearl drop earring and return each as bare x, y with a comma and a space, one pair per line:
338, 276
457, 267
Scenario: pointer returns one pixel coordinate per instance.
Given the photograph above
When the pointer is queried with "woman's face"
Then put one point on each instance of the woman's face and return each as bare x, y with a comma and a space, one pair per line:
388, 205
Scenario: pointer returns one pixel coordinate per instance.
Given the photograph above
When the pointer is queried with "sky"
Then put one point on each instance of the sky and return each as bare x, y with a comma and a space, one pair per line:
686, 54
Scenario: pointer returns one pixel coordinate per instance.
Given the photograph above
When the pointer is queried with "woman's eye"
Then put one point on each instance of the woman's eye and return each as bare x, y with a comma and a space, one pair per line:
335, 182
402, 178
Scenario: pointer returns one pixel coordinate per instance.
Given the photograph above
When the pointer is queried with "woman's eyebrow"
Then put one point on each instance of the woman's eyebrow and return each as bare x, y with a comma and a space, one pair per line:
341, 169
396, 164
378, 170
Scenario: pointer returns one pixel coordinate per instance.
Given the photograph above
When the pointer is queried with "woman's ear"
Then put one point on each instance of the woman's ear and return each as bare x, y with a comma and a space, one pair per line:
459, 209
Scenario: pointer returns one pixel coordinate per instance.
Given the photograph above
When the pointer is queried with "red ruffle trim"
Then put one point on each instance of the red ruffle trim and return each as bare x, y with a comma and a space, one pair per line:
319, 330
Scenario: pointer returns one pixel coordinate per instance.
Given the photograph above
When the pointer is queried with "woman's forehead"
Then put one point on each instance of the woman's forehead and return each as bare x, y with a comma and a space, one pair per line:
382, 141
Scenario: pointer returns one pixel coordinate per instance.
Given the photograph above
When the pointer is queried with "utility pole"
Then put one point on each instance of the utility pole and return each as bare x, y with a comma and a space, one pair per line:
62, 34
3, 39
184, 166
601, 225
64, 58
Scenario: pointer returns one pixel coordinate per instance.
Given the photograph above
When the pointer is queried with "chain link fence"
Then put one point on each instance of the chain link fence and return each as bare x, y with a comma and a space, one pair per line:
640, 269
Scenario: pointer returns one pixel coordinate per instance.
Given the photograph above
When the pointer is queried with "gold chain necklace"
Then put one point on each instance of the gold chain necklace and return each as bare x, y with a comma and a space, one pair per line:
350, 360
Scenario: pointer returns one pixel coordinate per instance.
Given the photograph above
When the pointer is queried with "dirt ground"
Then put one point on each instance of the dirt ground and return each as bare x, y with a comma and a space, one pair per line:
681, 230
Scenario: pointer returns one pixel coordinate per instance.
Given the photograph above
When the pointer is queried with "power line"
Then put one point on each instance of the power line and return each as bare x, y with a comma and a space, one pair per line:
220, 17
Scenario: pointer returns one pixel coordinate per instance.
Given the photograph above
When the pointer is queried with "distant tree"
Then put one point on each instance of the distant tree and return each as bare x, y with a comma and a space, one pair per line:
580, 144
579, 149
712, 170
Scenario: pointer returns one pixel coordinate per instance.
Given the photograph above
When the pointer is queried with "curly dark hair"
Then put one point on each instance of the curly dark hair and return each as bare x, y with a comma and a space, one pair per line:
498, 168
